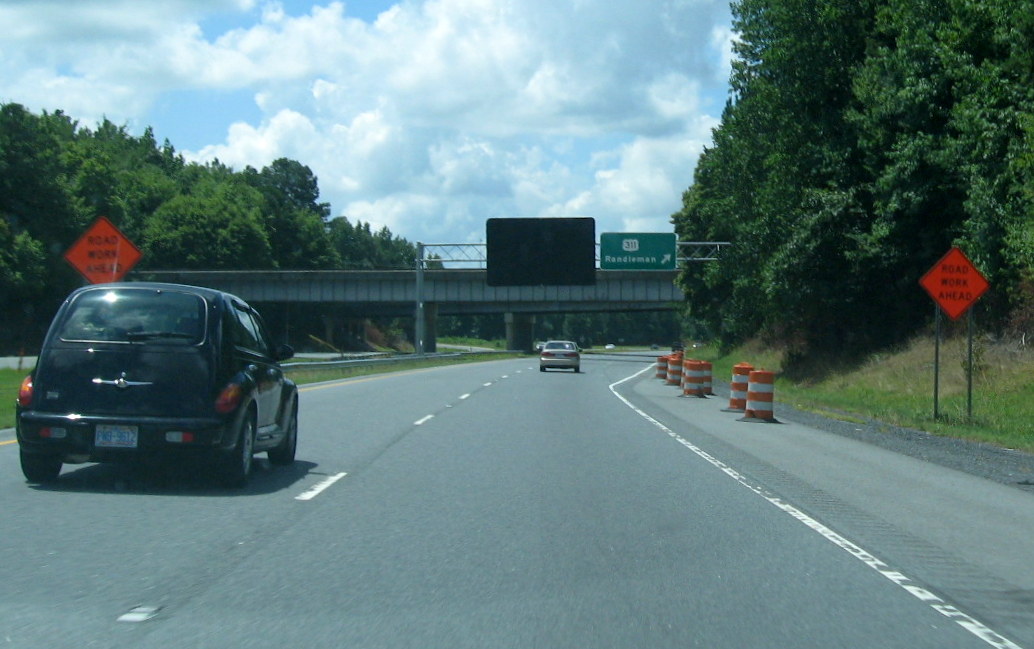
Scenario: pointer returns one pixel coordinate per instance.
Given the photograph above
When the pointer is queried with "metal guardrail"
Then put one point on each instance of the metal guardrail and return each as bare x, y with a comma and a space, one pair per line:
379, 360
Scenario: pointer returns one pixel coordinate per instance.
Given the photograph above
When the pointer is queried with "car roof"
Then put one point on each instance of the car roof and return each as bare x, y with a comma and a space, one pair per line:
209, 294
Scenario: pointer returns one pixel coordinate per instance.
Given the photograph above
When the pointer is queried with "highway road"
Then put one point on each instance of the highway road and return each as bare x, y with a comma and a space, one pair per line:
493, 506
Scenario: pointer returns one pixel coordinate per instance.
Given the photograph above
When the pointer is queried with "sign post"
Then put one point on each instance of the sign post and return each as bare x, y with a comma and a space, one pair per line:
103, 254
637, 251
955, 285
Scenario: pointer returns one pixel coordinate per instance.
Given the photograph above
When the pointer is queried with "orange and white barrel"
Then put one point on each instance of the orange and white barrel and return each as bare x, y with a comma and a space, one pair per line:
706, 370
674, 369
738, 387
760, 396
662, 367
692, 372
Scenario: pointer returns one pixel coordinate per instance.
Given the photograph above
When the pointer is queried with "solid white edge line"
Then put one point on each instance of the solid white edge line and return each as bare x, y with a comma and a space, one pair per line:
966, 621
320, 487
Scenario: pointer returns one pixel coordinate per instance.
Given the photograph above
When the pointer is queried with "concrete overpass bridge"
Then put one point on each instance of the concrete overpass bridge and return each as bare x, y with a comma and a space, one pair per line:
404, 293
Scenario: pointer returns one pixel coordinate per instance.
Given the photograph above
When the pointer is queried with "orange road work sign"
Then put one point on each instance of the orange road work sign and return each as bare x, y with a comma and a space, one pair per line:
103, 254
954, 283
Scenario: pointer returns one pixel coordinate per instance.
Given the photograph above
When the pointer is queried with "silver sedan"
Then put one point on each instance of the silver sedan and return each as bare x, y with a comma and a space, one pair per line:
560, 354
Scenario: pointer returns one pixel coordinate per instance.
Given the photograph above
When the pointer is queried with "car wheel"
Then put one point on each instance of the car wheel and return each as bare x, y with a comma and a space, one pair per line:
542, 369
577, 369
237, 466
283, 454
40, 468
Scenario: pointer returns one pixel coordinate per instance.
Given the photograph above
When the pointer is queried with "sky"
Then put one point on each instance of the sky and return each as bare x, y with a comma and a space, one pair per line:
425, 116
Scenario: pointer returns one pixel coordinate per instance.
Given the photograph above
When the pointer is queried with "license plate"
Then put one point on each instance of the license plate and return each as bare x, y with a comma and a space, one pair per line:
110, 436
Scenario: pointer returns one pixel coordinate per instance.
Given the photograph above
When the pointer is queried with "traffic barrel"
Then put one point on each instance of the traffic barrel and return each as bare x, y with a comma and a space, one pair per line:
674, 369
760, 397
662, 367
685, 372
706, 369
694, 373
738, 387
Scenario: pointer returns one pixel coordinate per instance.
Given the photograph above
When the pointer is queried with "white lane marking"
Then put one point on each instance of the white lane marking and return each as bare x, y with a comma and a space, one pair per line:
139, 614
319, 488
464, 396
486, 385
966, 621
423, 420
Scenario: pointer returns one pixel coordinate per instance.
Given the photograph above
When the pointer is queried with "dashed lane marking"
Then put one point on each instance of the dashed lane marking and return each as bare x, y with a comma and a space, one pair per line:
320, 487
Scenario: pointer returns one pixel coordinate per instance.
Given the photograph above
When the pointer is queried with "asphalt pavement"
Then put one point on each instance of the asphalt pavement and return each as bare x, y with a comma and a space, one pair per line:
492, 504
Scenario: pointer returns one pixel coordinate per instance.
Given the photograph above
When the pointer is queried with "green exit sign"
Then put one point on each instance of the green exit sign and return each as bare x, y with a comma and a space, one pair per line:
637, 251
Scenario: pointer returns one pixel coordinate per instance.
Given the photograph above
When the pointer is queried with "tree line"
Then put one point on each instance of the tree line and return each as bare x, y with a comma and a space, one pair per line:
57, 177
861, 140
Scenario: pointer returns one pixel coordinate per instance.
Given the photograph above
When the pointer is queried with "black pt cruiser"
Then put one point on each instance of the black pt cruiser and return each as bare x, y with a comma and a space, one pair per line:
136, 370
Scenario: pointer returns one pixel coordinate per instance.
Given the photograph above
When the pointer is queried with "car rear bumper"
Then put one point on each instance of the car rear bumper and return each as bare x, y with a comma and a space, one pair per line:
74, 438
559, 363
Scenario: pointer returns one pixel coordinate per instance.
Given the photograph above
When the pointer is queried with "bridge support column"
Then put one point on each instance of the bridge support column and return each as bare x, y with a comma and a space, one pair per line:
430, 327
520, 331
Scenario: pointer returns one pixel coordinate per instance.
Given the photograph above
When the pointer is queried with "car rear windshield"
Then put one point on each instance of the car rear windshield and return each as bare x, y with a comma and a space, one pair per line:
569, 346
132, 315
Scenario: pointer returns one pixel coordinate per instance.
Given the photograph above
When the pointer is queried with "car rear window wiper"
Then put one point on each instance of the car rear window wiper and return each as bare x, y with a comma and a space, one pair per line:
152, 335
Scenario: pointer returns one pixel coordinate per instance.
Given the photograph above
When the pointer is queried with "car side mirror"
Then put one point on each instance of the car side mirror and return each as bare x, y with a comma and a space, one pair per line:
284, 352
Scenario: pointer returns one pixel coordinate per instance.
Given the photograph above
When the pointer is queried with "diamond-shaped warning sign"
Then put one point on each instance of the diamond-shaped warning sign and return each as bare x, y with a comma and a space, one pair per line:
954, 283
103, 254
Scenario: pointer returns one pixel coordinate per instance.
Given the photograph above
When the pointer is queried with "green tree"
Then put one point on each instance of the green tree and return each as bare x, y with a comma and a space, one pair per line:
217, 226
295, 219
782, 169
39, 219
362, 249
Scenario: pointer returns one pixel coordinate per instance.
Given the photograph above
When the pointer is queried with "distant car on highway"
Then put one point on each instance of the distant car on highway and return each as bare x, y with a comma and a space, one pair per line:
560, 354
134, 371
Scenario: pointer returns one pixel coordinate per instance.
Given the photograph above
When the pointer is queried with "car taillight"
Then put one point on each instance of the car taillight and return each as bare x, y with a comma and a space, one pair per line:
180, 437
548, 354
25, 392
228, 399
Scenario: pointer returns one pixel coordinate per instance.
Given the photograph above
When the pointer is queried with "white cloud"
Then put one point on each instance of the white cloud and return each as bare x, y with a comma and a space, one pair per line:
428, 120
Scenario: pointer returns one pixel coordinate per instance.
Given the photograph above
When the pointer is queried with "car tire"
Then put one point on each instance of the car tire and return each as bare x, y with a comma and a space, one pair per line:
577, 370
542, 369
283, 454
40, 468
237, 463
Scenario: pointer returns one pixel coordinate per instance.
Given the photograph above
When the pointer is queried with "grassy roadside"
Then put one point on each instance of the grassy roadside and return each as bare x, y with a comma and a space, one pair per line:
301, 376
10, 379
459, 341
897, 389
